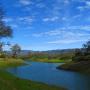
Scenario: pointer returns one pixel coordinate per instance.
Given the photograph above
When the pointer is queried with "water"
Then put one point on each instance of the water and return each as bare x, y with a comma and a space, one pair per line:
47, 73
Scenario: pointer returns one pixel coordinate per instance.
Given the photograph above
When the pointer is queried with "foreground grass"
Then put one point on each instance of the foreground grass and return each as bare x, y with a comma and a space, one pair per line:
10, 82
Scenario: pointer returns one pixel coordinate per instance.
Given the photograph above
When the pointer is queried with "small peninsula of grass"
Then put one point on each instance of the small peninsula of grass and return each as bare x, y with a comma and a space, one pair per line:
82, 66
10, 82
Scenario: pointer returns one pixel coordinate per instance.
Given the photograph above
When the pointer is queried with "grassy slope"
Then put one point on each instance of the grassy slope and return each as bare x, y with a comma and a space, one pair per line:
10, 82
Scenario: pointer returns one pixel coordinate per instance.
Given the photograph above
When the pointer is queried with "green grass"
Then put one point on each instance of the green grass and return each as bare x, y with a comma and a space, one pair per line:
9, 62
48, 60
10, 82
56, 61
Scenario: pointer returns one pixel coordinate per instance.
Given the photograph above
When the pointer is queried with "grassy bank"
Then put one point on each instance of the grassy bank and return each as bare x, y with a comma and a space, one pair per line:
10, 82
82, 66
56, 61
9, 62
48, 60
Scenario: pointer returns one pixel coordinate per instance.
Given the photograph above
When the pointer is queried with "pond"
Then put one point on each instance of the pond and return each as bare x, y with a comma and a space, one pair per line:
47, 73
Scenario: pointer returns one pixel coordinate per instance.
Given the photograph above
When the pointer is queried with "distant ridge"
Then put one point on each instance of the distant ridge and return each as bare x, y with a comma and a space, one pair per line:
58, 51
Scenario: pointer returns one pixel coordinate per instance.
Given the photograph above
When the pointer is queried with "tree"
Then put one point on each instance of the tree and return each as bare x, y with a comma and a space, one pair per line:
86, 48
83, 54
5, 31
1, 46
16, 49
1, 49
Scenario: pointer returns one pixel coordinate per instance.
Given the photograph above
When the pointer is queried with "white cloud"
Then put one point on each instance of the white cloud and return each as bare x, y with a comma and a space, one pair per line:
79, 1
14, 25
52, 19
40, 5
86, 6
66, 1
27, 19
15, 22
13, 19
66, 35
77, 16
65, 18
81, 8
25, 2
49, 33
88, 3
66, 31
66, 41
7, 19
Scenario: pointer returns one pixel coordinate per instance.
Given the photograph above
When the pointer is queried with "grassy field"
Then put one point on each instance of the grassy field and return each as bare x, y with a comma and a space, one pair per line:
49, 60
10, 82
56, 61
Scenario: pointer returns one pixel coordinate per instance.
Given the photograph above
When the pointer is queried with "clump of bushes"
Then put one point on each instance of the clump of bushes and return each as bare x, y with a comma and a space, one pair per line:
82, 54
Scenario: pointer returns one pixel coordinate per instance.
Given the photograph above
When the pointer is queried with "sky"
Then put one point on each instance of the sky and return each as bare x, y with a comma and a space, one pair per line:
48, 24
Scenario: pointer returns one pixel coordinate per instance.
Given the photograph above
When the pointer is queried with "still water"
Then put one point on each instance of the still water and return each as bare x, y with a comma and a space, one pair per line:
47, 73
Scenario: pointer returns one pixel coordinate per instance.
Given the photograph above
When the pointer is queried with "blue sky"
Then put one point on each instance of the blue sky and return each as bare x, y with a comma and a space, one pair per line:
48, 24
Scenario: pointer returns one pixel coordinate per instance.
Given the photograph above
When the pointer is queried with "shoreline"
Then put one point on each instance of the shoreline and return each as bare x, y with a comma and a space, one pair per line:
11, 82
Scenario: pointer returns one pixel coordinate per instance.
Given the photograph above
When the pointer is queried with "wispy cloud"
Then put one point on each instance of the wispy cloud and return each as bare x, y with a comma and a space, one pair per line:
71, 30
27, 19
16, 22
55, 18
40, 5
66, 1
66, 41
20, 18
25, 2
67, 35
85, 6
7, 19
